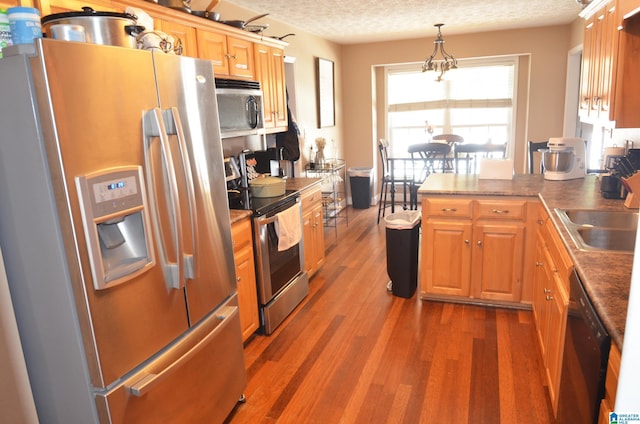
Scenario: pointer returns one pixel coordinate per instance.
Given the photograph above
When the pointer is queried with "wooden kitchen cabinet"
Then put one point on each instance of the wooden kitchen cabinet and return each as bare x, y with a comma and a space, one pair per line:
184, 36
474, 248
245, 277
230, 56
610, 386
610, 89
313, 229
628, 7
600, 53
269, 63
550, 302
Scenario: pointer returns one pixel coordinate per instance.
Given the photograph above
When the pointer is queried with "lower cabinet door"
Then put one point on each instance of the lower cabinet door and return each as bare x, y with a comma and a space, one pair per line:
498, 261
247, 292
446, 257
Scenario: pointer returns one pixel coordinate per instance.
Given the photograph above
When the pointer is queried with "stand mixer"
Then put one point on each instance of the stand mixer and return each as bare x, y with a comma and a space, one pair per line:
564, 159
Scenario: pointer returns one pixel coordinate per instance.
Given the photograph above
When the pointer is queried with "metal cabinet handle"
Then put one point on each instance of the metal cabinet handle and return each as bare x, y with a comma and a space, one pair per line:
546, 291
449, 210
549, 297
500, 211
538, 263
479, 243
540, 221
467, 242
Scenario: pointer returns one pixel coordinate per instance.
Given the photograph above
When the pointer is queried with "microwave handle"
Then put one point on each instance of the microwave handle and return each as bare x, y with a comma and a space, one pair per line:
253, 112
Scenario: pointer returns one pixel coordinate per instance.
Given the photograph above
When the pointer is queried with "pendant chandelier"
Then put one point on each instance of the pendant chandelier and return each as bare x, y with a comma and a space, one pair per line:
439, 65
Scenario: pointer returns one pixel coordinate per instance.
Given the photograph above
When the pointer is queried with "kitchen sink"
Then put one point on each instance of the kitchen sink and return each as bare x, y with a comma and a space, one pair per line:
600, 218
601, 230
608, 238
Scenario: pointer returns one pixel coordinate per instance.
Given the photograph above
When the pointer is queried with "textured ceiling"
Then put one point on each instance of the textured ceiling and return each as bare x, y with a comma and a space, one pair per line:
357, 21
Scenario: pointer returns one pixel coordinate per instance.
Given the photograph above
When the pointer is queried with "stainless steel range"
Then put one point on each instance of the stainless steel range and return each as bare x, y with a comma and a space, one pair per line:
282, 281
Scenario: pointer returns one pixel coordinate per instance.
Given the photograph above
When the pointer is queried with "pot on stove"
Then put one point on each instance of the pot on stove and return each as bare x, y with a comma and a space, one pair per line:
267, 187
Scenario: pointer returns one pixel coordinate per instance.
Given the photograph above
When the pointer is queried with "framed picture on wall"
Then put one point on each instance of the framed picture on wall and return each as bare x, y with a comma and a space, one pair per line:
326, 105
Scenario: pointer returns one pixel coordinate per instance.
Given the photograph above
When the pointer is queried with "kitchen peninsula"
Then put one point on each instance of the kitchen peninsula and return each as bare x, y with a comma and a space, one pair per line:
503, 242
605, 275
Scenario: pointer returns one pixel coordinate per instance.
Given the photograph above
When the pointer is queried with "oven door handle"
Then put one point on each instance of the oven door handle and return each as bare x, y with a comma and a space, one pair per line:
267, 221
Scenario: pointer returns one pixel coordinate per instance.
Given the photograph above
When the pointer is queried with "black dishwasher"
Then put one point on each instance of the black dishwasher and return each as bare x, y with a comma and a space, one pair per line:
584, 365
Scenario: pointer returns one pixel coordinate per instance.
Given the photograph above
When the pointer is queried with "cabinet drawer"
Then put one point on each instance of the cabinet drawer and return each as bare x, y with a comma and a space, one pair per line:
241, 234
542, 215
311, 197
454, 208
492, 209
558, 253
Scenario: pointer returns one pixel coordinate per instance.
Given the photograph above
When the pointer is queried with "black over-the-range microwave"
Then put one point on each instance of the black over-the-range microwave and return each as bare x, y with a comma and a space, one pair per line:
239, 107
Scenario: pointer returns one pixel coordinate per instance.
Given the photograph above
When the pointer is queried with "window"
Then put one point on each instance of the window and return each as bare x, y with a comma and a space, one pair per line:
476, 101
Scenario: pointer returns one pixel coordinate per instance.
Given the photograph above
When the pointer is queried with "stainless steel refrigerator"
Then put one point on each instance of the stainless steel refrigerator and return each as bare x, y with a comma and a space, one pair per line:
115, 228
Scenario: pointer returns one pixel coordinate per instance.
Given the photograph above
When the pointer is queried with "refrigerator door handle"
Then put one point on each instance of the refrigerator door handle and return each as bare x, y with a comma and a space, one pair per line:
154, 127
152, 377
173, 125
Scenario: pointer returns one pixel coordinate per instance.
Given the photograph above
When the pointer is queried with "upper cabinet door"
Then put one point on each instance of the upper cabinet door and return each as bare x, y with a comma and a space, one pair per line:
184, 36
213, 46
240, 58
279, 88
230, 56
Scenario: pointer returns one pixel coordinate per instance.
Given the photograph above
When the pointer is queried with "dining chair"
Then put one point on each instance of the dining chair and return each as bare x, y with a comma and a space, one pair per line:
427, 158
449, 138
452, 140
533, 148
472, 152
392, 175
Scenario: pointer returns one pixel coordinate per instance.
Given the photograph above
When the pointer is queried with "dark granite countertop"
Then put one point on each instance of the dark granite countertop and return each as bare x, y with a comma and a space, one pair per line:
606, 276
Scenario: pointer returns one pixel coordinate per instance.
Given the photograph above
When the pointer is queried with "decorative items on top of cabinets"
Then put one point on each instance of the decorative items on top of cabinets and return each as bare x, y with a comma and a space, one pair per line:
551, 300
231, 56
270, 72
474, 248
313, 228
245, 277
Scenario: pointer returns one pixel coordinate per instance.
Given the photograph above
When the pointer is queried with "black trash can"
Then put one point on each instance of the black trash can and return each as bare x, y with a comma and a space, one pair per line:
360, 181
403, 238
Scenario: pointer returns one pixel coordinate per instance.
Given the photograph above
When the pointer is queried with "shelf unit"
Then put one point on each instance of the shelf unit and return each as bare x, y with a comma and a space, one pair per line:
334, 196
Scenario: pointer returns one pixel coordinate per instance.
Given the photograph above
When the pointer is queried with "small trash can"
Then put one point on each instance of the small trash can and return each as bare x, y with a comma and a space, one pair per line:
403, 236
360, 181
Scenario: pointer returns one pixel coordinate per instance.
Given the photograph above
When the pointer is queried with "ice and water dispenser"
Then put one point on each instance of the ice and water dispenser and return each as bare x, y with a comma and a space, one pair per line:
116, 224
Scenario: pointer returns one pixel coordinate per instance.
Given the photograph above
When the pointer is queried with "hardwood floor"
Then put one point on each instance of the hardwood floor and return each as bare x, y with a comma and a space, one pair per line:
354, 353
